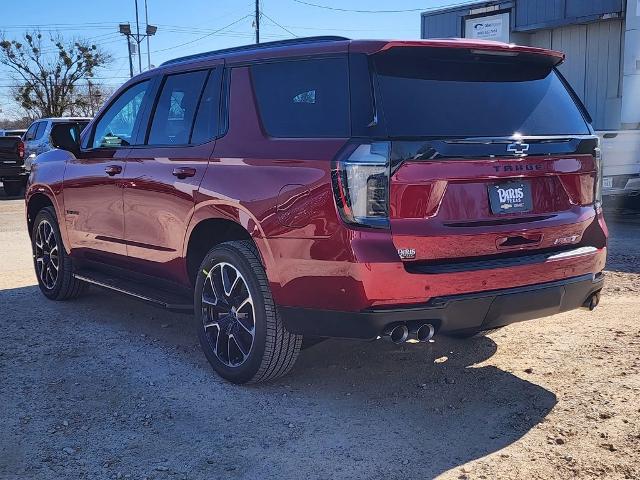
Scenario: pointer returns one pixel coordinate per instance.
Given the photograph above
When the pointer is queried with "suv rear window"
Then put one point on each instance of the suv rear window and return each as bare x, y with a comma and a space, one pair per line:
474, 97
303, 98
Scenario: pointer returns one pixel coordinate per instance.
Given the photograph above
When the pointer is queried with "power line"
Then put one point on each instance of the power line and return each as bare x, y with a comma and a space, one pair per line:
202, 37
276, 23
406, 10
338, 9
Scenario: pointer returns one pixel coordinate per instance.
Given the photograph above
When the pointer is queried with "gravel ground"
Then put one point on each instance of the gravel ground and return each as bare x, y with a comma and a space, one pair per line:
106, 387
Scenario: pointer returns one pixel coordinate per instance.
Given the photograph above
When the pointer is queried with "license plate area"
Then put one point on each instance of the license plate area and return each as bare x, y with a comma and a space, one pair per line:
513, 196
607, 182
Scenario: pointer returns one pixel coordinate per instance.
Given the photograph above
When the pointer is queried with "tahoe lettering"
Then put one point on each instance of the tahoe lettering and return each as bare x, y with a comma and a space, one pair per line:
518, 168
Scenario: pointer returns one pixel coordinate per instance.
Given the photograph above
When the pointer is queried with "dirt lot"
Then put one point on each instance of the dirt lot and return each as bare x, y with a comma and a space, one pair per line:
105, 387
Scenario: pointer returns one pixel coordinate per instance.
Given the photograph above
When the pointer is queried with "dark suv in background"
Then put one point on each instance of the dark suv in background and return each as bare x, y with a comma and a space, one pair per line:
325, 187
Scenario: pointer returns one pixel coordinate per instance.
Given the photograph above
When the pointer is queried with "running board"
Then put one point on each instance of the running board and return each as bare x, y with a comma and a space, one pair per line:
160, 297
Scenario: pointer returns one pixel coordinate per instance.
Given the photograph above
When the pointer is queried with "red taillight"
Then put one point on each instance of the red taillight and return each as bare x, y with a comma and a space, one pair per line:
21, 150
361, 185
579, 187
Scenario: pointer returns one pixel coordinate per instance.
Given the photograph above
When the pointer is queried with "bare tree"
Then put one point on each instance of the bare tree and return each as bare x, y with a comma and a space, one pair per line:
48, 80
89, 98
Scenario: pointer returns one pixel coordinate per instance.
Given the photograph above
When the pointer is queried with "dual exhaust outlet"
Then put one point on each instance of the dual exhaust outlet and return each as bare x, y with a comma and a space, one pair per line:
400, 333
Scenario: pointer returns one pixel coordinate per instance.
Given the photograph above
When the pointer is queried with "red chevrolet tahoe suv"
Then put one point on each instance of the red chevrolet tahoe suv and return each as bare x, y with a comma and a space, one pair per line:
327, 187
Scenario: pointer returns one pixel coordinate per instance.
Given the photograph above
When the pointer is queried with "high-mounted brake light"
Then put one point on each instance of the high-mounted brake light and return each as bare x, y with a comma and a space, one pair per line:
361, 185
496, 53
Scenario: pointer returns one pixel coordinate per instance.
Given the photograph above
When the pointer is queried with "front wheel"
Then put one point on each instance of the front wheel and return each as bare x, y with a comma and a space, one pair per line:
52, 264
238, 324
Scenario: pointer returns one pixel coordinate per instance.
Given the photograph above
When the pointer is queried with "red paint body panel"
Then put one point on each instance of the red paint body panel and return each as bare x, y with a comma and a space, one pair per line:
372, 46
93, 205
158, 206
437, 204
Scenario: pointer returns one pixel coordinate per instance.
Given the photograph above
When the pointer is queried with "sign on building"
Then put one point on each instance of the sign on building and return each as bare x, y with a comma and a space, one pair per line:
494, 27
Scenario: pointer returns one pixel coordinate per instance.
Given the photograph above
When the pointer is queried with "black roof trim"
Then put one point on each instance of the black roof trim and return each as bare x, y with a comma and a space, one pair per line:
256, 47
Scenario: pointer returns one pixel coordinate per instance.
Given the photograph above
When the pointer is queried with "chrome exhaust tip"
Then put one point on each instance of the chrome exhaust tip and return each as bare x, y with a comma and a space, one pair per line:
592, 302
397, 334
424, 332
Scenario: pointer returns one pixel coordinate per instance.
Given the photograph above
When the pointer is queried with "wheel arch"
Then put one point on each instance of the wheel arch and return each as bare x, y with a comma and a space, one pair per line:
36, 202
211, 226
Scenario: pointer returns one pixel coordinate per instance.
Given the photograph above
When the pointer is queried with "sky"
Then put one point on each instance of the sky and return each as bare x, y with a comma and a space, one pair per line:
191, 26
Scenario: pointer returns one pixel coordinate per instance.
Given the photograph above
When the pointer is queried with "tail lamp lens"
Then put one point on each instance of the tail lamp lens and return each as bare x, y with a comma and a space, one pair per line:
597, 193
21, 150
361, 185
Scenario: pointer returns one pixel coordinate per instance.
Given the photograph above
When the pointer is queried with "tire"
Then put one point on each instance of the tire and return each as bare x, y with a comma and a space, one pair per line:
58, 282
238, 324
12, 188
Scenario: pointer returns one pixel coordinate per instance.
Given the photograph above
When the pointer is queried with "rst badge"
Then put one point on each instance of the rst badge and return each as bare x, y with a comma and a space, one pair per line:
407, 253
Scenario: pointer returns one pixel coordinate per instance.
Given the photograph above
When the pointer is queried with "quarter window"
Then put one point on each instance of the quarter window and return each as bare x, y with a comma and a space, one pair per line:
31, 133
40, 131
116, 127
206, 125
176, 109
304, 98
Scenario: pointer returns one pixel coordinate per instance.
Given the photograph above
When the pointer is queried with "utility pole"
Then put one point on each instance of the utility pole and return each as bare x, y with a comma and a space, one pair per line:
138, 39
146, 20
125, 29
257, 21
90, 98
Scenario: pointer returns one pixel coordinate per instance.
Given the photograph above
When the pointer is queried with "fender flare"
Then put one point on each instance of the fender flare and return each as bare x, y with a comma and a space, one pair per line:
226, 210
47, 191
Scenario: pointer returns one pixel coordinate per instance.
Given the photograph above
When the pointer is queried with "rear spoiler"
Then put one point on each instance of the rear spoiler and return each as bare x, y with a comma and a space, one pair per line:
475, 46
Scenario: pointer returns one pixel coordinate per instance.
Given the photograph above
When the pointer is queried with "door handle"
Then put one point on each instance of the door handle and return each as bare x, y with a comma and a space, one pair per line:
113, 170
184, 172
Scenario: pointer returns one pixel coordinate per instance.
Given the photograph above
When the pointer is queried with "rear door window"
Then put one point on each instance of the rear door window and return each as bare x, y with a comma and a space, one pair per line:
304, 98
448, 97
176, 108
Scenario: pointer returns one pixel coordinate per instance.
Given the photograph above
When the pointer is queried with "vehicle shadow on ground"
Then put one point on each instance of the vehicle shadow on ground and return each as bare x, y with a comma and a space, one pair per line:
432, 400
348, 409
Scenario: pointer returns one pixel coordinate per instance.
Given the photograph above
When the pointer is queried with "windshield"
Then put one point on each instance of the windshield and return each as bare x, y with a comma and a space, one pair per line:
474, 98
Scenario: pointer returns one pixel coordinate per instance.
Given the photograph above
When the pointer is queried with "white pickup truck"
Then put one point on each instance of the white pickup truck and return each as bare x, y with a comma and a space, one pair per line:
621, 162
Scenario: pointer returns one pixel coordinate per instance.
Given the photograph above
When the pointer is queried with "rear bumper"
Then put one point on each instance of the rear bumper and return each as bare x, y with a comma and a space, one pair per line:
454, 313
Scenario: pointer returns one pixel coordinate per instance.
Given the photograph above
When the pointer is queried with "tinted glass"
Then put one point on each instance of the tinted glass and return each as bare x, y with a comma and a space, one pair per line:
31, 133
445, 98
206, 124
42, 126
304, 98
115, 128
176, 109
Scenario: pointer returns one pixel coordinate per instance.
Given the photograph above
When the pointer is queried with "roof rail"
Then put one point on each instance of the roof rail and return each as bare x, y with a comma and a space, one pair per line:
258, 46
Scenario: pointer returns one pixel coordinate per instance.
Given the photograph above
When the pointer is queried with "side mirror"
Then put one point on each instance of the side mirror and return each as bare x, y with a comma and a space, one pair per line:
65, 137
